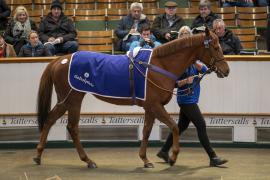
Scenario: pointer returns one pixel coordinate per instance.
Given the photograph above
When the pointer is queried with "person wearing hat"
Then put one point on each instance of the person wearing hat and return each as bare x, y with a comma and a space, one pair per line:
6, 50
57, 31
166, 26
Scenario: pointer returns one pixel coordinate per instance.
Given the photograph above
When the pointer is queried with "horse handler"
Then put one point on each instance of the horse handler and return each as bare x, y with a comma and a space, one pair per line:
188, 94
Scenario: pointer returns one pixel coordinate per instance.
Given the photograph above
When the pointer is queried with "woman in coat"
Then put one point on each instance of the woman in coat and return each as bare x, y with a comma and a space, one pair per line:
18, 28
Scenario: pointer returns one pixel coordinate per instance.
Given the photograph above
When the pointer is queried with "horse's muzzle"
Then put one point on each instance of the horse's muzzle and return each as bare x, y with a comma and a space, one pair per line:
222, 74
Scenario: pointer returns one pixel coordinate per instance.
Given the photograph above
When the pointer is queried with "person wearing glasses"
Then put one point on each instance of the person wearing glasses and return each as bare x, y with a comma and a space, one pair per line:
128, 28
229, 43
166, 26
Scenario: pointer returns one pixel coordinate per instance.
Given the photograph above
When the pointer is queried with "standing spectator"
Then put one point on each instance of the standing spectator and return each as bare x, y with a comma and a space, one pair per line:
34, 48
4, 14
238, 3
165, 25
206, 16
268, 33
230, 43
188, 93
6, 50
128, 28
147, 39
58, 32
18, 28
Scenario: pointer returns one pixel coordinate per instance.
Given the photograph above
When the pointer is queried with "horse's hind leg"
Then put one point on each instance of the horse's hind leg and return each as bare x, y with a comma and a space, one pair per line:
148, 124
73, 129
54, 114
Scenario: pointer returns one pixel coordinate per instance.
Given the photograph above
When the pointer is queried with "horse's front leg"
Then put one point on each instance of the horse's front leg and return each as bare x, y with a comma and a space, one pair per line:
148, 124
73, 129
164, 117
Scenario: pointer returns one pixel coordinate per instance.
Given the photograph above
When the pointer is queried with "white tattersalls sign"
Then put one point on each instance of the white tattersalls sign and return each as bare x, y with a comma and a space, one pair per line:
13, 121
219, 120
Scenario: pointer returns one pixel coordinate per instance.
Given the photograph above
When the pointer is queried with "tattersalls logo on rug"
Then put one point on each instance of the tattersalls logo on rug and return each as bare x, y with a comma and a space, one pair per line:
84, 80
86, 75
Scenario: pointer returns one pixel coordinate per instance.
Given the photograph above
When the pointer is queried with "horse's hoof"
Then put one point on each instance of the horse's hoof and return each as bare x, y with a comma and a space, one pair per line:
171, 162
149, 165
37, 160
92, 165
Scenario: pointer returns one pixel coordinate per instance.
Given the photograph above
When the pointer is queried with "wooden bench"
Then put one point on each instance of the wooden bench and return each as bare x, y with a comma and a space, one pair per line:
99, 41
248, 37
252, 16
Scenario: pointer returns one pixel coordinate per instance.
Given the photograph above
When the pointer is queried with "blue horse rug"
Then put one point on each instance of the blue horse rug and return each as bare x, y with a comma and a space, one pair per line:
108, 75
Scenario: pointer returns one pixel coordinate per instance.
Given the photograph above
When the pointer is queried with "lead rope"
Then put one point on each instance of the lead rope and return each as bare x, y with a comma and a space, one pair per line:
189, 89
164, 89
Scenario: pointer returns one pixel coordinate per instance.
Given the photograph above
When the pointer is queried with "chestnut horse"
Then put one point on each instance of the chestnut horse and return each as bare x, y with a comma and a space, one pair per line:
173, 57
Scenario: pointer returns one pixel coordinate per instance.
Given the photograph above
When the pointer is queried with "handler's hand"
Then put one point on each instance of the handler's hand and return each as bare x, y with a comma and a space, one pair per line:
190, 80
168, 36
51, 39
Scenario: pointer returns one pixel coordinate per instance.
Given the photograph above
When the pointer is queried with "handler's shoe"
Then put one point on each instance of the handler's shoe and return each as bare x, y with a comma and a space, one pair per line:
216, 161
163, 155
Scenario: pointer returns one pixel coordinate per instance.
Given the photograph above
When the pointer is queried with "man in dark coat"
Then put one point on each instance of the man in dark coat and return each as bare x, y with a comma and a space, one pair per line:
166, 26
268, 33
127, 30
206, 16
4, 14
230, 43
58, 32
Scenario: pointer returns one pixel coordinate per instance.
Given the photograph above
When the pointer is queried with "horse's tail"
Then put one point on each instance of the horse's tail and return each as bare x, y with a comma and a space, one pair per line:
44, 96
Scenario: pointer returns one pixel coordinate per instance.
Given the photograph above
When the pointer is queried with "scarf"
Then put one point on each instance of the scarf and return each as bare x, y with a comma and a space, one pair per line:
21, 29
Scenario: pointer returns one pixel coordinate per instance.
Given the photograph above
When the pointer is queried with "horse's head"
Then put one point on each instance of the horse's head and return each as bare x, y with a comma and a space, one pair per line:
213, 55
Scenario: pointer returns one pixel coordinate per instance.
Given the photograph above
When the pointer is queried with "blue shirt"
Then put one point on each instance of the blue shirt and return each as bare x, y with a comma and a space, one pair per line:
146, 46
183, 94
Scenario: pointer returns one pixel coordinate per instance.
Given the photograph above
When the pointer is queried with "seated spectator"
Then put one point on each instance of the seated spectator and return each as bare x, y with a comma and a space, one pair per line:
34, 48
18, 28
261, 3
6, 50
58, 32
128, 28
230, 43
147, 40
184, 32
268, 33
238, 3
4, 14
166, 26
206, 16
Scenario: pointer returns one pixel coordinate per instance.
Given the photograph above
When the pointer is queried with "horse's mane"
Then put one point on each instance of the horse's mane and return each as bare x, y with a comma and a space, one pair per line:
174, 46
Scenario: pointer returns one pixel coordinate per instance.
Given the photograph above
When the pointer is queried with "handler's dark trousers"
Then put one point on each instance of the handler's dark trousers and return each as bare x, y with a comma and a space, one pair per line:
191, 112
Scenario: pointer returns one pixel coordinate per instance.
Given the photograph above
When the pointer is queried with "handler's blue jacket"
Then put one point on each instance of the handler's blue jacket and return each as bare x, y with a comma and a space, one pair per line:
183, 96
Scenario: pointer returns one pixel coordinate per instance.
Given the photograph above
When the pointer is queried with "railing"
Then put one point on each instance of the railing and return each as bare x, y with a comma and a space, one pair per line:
48, 59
